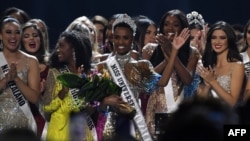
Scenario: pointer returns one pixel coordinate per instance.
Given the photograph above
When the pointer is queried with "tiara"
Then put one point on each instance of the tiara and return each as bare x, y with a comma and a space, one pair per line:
124, 18
195, 18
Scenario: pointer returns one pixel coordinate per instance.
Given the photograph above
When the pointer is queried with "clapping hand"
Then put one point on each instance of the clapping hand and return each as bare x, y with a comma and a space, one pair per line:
207, 74
12, 74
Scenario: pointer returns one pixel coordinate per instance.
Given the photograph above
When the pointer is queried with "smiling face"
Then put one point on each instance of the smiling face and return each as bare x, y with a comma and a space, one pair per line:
64, 50
150, 34
219, 41
10, 35
31, 40
171, 26
122, 39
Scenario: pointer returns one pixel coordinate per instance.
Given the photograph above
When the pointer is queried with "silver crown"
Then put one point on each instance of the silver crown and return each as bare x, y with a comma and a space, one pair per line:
196, 18
124, 18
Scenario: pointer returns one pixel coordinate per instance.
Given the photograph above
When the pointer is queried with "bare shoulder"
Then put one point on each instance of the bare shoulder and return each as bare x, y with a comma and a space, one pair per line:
32, 59
238, 63
238, 66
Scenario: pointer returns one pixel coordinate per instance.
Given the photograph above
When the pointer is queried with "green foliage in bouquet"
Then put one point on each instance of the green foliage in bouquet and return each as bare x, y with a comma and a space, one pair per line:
92, 88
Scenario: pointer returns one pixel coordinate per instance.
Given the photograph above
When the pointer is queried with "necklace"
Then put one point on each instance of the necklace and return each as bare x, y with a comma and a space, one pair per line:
122, 59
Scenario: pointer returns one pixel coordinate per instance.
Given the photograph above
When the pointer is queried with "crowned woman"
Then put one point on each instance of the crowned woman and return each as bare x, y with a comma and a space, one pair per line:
133, 76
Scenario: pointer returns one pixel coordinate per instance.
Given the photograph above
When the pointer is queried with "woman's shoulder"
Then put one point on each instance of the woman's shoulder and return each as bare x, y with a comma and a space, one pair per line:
30, 60
29, 56
239, 65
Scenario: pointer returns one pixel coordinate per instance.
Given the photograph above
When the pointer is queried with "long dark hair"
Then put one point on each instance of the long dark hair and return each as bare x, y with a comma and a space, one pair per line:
82, 45
41, 54
209, 57
184, 51
141, 29
5, 20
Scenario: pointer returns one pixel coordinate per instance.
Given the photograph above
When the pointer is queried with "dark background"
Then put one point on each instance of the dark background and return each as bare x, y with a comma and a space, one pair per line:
59, 13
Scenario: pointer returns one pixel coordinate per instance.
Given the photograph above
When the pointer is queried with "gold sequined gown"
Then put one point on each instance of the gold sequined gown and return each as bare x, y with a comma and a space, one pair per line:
11, 115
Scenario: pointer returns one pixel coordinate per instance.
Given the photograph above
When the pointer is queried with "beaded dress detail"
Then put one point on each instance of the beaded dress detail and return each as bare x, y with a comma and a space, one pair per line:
157, 101
224, 81
11, 116
122, 60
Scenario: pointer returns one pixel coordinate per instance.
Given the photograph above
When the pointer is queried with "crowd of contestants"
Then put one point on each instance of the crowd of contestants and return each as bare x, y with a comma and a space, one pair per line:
203, 83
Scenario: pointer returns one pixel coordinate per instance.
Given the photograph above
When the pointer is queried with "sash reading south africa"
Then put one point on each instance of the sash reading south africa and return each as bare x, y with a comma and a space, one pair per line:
128, 96
74, 94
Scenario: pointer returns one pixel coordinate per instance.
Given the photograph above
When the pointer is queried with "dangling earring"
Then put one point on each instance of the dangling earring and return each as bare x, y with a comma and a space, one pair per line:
74, 55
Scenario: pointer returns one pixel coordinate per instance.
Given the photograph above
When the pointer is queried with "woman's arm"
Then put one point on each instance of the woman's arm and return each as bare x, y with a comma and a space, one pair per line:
186, 72
31, 90
236, 84
176, 45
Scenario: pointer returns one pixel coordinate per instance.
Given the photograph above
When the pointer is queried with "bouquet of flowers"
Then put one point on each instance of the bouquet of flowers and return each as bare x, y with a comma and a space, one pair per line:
93, 87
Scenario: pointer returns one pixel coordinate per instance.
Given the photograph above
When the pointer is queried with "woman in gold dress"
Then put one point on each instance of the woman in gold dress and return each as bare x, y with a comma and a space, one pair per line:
177, 67
19, 79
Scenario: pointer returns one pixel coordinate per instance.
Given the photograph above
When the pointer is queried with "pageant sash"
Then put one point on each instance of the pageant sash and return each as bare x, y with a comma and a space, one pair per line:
246, 62
74, 94
172, 104
73, 91
22, 102
128, 96
245, 57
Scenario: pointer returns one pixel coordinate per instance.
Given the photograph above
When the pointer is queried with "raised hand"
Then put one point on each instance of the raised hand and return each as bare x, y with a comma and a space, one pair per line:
164, 43
202, 42
179, 40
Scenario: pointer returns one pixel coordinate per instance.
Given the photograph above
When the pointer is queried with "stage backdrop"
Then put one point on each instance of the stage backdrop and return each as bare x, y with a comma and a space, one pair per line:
59, 13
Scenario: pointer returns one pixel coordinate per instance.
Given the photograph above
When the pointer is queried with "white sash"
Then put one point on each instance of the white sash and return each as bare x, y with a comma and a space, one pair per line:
128, 96
74, 94
246, 62
245, 57
22, 102
172, 104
